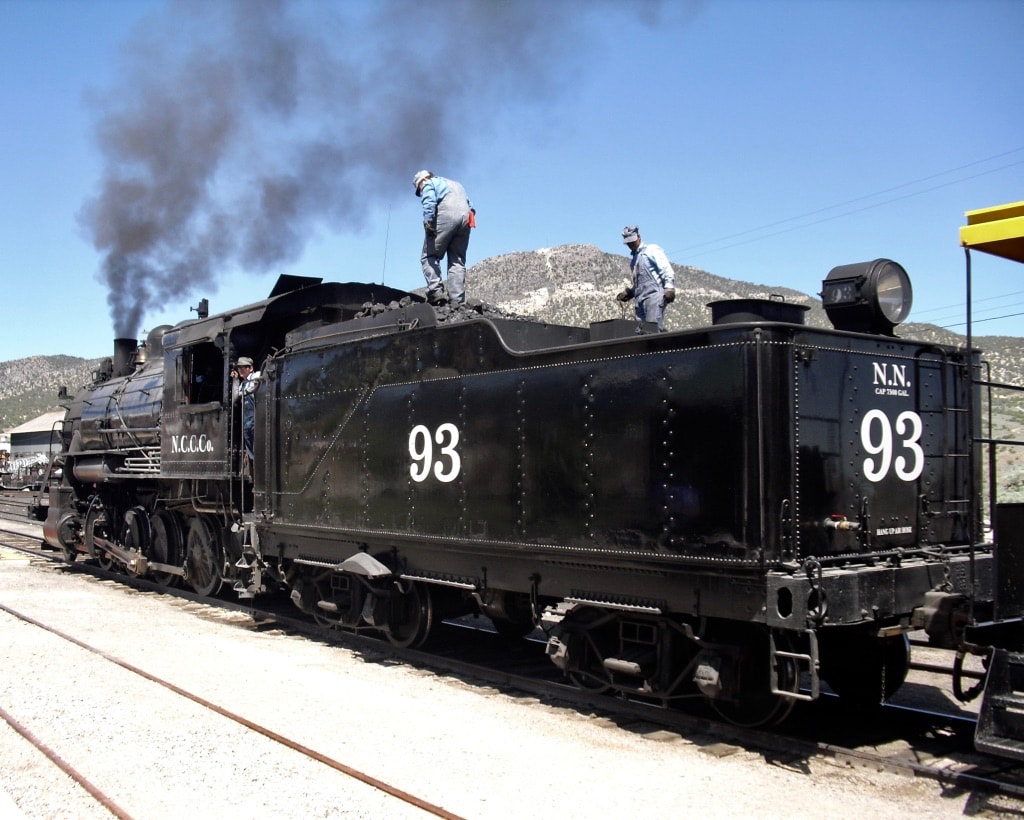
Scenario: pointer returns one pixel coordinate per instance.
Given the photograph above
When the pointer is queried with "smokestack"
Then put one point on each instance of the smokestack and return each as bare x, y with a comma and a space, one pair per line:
253, 128
124, 356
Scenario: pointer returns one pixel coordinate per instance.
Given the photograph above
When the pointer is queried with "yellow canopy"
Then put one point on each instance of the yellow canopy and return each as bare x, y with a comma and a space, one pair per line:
998, 230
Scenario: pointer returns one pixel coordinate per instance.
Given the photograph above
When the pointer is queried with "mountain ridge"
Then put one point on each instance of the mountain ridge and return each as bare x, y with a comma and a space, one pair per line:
567, 284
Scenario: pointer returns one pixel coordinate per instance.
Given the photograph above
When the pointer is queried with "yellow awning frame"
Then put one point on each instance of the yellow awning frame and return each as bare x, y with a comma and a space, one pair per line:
998, 230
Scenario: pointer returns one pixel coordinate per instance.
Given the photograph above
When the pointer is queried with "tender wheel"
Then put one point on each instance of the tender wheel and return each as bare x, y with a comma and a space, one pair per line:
203, 562
334, 617
753, 703
596, 683
410, 616
863, 668
513, 630
590, 633
325, 619
343, 595
323, 616
166, 545
518, 620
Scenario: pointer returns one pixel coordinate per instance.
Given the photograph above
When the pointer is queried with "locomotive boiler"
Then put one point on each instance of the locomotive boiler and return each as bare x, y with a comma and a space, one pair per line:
736, 512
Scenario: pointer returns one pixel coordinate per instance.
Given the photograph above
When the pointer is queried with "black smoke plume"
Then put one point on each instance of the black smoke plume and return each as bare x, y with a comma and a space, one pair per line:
243, 126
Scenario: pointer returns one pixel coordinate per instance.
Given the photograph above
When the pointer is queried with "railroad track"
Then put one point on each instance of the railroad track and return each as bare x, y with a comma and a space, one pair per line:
111, 805
910, 741
14, 504
31, 545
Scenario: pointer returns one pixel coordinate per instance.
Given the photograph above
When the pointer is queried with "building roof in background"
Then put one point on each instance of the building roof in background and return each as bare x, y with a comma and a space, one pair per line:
40, 424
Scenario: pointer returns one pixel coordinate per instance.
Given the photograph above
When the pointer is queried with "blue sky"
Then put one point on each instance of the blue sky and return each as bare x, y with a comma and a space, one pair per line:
762, 141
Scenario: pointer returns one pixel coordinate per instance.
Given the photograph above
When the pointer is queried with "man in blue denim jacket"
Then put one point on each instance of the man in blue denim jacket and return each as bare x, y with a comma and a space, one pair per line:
653, 278
243, 389
448, 216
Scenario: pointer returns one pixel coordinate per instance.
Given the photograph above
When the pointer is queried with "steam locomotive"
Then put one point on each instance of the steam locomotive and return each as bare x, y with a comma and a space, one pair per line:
737, 512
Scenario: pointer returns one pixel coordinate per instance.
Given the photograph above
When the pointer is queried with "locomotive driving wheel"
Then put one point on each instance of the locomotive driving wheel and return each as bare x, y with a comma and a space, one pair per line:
203, 561
135, 533
165, 546
95, 533
69, 529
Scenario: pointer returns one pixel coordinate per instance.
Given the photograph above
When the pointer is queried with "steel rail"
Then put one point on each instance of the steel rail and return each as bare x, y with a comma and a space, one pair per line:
313, 754
683, 723
65, 767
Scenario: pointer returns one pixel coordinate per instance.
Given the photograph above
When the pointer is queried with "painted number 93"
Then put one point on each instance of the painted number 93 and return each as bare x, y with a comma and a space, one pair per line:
445, 464
892, 446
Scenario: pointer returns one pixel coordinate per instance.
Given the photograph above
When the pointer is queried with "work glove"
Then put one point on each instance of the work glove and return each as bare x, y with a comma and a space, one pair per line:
670, 295
429, 228
625, 296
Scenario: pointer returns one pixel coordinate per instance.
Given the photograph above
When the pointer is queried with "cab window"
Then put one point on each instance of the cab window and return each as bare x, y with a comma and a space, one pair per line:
200, 374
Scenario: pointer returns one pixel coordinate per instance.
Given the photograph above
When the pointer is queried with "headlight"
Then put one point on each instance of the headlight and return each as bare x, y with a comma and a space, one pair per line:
867, 297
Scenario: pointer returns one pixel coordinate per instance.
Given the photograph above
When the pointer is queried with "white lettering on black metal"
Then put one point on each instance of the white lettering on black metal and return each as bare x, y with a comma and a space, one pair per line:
447, 464
892, 445
890, 379
191, 444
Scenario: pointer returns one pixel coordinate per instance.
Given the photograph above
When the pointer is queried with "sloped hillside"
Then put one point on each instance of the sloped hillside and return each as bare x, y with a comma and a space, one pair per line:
28, 387
577, 284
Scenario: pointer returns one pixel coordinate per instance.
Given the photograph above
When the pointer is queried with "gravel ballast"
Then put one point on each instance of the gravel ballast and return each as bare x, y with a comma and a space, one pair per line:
471, 749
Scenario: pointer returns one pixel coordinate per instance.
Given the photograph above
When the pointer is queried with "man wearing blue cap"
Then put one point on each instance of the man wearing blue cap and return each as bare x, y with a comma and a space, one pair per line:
448, 216
653, 278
